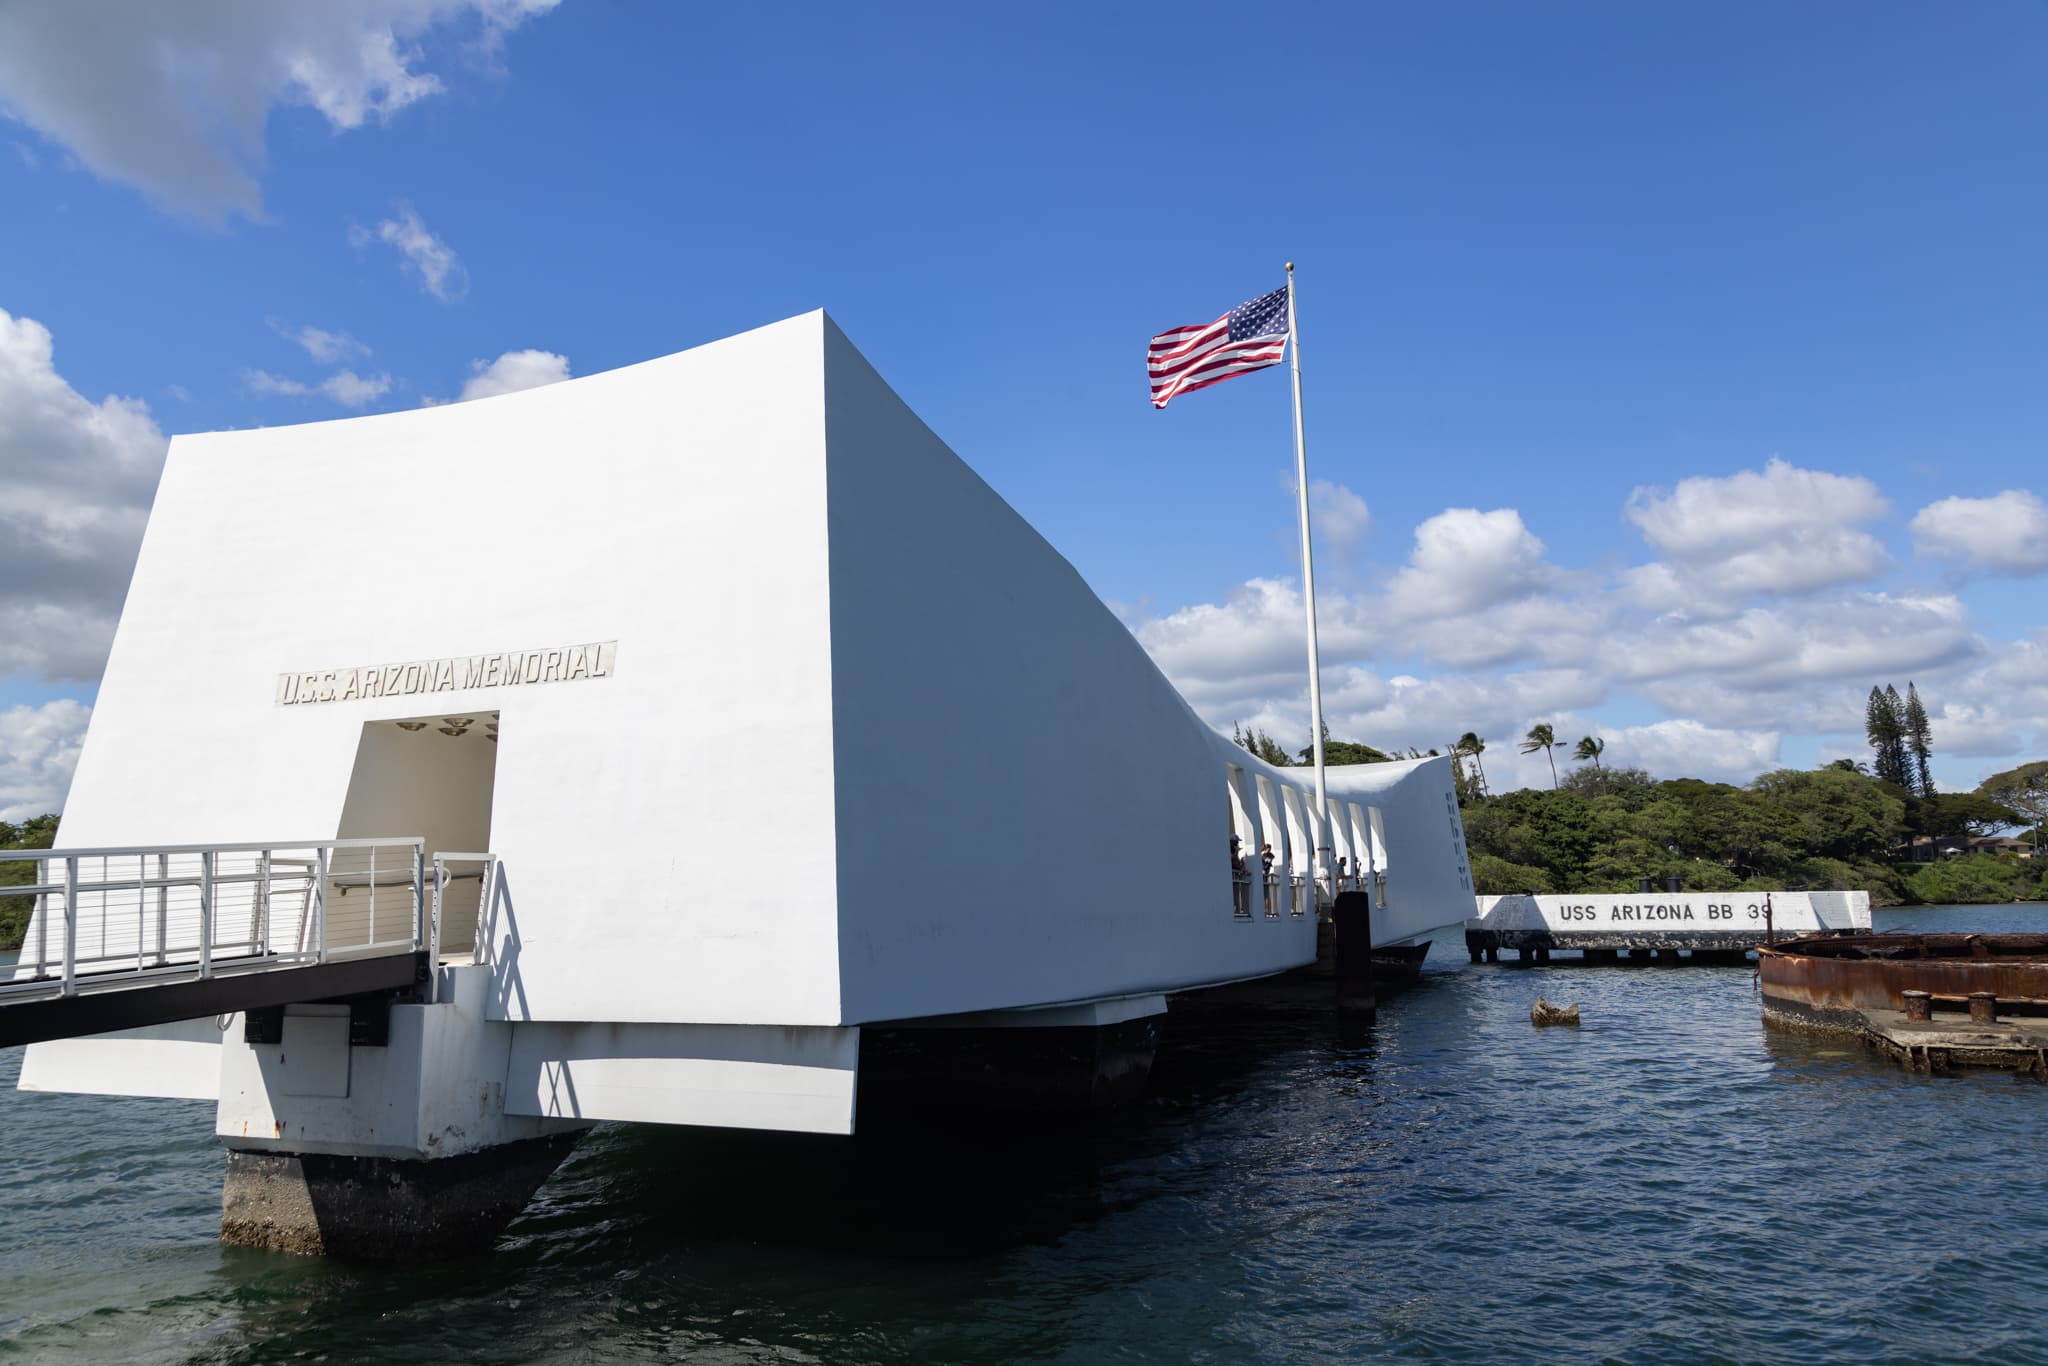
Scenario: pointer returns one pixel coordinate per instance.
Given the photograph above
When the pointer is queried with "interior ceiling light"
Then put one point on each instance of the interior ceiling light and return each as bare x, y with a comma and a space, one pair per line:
412, 725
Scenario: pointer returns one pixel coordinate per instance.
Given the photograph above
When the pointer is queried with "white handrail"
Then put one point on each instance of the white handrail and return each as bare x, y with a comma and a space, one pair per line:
256, 848
215, 911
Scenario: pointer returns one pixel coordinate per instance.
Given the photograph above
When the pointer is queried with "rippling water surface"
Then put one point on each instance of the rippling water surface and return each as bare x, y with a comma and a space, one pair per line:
1666, 1183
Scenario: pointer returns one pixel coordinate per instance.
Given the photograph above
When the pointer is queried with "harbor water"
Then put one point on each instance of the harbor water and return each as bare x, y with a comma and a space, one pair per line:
1667, 1182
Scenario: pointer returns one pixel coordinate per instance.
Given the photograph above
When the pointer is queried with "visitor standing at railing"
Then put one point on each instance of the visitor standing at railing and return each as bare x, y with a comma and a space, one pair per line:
1240, 881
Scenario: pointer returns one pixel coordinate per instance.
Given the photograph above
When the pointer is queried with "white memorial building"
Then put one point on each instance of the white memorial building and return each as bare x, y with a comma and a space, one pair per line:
779, 728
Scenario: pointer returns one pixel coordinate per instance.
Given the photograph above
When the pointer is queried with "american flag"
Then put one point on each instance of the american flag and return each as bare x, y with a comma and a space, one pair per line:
1249, 337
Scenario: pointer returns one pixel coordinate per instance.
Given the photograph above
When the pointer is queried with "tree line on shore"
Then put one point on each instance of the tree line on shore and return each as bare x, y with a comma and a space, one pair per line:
1880, 827
1832, 828
37, 832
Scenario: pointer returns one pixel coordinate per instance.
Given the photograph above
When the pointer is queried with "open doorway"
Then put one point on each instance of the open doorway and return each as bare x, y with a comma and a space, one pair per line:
431, 776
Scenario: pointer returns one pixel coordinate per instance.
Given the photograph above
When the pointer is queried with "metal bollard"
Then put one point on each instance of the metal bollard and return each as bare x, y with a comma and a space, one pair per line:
1919, 1005
1983, 1008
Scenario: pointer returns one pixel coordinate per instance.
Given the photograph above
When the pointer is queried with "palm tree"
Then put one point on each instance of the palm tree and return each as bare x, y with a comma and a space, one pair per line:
1589, 748
1542, 737
1472, 743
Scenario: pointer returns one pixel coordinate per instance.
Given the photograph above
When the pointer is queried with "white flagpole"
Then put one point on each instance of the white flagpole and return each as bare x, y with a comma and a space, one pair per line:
1308, 595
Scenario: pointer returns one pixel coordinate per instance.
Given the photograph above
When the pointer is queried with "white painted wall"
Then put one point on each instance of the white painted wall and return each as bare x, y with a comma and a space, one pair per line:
722, 1076
180, 1061
992, 720
677, 507
1421, 839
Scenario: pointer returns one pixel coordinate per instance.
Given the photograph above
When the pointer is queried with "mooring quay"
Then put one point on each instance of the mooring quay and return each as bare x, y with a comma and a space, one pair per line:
1661, 926
1931, 1001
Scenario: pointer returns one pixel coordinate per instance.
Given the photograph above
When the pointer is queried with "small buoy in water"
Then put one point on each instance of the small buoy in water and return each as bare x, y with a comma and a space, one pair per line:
1544, 1013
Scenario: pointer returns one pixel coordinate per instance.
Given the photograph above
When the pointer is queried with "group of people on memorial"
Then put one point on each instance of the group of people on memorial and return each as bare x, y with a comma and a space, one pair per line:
1238, 868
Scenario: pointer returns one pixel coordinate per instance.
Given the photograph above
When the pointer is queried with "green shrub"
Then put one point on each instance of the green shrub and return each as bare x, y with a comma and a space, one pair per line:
16, 910
1493, 876
1971, 878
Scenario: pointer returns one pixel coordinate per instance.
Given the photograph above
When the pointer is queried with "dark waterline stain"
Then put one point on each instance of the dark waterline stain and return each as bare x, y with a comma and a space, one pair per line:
1666, 1183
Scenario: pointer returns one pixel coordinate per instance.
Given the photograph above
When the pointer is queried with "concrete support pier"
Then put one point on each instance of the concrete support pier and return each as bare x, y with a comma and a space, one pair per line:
382, 1208
1352, 956
377, 1130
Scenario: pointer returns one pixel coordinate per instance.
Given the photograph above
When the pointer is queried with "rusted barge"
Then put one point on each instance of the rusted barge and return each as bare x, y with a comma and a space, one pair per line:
1931, 1001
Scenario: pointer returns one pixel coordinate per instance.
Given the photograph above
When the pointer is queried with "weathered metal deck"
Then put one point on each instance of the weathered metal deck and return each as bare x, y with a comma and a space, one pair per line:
1930, 1001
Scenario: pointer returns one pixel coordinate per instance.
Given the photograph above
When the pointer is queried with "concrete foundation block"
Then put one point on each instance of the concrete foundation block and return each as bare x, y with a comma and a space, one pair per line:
380, 1208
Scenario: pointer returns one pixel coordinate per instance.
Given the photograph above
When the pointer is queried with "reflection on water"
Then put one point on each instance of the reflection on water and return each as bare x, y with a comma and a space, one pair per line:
1667, 1182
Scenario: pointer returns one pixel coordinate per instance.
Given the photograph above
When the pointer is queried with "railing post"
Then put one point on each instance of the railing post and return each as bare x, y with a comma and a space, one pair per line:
481, 937
433, 933
163, 909
419, 898
141, 905
70, 927
42, 920
320, 902
259, 933
205, 913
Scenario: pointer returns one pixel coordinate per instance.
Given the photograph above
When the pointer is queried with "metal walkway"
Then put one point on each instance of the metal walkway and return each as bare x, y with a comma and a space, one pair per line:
122, 938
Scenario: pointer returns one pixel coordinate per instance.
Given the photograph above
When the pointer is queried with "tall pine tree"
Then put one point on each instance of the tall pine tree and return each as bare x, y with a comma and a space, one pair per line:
1919, 738
1902, 766
1884, 724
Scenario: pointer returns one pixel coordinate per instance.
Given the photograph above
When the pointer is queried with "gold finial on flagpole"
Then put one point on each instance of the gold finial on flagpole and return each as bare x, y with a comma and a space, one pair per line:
1290, 267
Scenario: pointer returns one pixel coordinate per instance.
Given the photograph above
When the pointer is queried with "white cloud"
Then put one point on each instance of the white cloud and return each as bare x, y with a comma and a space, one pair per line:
1466, 559
1959, 728
173, 98
1865, 636
1998, 710
425, 256
1683, 748
345, 387
1261, 629
513, 371
79, 478
1433, 712
263, 382
1338, 516
1520, 640
2007, 532
1542, 627
1779, 530
352, 390
38, 751
326, 348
